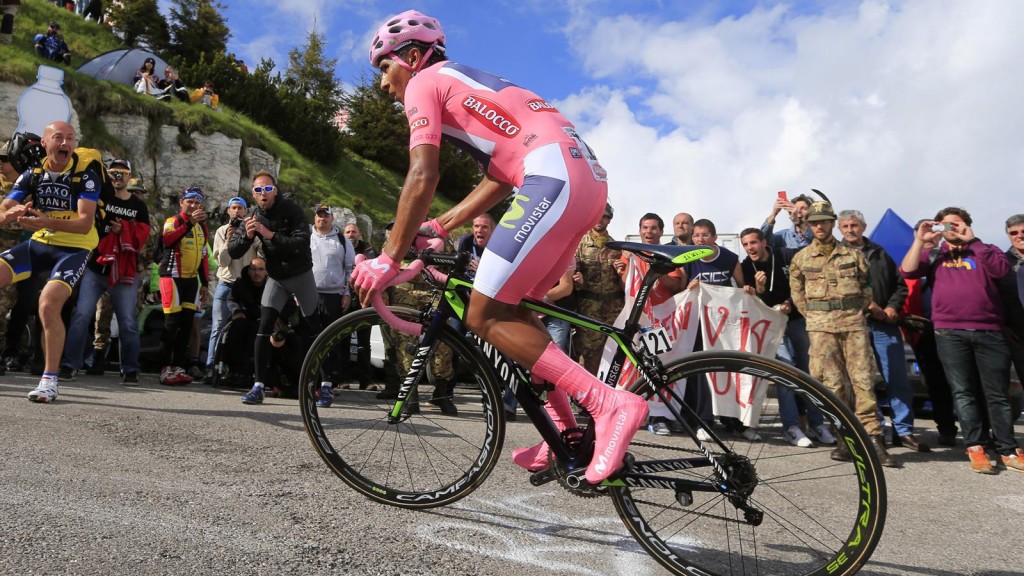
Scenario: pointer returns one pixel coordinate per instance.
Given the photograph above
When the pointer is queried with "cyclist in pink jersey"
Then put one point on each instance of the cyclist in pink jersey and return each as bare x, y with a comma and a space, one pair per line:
523, 143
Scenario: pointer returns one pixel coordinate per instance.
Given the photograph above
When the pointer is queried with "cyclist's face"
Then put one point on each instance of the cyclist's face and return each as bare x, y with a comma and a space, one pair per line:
394, 78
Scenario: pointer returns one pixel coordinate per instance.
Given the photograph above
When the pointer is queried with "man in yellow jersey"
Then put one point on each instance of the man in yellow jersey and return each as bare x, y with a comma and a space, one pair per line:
57, 202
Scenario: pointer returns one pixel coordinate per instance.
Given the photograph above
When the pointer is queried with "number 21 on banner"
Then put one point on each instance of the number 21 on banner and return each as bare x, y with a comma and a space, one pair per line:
655, 340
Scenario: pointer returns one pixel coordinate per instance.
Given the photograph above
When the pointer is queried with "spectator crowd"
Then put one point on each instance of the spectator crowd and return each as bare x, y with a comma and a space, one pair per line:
281, 274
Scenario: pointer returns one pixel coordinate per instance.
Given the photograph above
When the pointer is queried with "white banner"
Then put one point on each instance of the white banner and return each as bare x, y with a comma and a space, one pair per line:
732, 320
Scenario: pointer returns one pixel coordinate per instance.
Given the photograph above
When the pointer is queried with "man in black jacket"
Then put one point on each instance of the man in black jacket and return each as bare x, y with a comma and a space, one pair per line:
283, 228
889, 292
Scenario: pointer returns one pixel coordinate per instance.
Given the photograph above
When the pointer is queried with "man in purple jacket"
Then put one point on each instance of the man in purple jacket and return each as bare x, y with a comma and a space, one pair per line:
967, 311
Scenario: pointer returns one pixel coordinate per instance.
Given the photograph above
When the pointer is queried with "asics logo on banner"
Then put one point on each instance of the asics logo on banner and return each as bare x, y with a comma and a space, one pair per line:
514, 212
538, 105
418, 123
494, 117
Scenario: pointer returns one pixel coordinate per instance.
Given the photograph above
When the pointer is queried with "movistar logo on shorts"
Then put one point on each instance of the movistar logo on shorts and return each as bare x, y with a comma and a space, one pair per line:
538, 212
514, 212
491, 115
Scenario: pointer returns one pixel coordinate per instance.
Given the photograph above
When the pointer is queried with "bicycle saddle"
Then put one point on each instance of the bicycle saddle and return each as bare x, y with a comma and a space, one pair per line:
664, 253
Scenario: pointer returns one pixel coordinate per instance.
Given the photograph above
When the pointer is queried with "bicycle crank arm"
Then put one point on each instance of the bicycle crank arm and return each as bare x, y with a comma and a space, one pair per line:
542, 477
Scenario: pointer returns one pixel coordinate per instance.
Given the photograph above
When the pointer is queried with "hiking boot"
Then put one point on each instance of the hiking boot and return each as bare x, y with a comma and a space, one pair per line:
99, 363
66, 374
795, 436
255, 396
442, 398
821, 434
45, 392
658, 427
979, 460
130, 379
1014, 461
884, 458
840, 453
195, 373
325, 397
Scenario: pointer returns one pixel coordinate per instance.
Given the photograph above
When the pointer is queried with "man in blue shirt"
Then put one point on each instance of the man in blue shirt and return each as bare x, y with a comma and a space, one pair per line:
800, 234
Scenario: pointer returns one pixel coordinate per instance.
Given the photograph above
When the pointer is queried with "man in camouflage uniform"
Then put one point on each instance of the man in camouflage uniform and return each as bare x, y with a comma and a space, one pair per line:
598, 288
829, 286
416, 294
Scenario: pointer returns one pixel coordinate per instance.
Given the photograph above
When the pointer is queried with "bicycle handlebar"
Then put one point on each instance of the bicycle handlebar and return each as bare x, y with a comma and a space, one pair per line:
405, 275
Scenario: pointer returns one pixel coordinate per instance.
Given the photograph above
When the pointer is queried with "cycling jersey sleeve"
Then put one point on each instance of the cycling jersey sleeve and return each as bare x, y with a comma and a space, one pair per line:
423, 108
20, 190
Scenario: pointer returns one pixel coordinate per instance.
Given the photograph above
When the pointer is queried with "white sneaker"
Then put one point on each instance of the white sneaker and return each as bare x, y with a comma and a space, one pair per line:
703, 435
45, 393
795, 436
822, 434
751, 434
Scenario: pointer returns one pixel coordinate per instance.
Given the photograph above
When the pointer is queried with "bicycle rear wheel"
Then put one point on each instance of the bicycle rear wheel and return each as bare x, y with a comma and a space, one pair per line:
820, 516
426, 459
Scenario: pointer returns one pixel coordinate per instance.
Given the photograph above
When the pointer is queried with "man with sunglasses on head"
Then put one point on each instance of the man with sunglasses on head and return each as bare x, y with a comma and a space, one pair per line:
123, 229
283, 228
184, 276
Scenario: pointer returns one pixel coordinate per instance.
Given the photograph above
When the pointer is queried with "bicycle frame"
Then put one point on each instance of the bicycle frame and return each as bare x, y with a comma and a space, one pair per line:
453, 303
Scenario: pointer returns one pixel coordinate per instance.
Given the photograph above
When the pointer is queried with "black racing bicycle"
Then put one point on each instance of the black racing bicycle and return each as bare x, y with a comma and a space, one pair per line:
720, 506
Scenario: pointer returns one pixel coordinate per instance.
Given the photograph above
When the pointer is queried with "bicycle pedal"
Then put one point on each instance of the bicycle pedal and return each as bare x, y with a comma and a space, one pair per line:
542, 477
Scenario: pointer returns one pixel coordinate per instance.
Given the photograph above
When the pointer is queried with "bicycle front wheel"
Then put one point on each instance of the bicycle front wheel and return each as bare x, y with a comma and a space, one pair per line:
425, 459
817, 515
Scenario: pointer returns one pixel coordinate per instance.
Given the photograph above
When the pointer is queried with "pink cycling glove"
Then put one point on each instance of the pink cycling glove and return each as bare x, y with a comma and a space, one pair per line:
375, 274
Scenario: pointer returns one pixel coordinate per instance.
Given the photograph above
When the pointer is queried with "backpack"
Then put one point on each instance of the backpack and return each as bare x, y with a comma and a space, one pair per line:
83, 159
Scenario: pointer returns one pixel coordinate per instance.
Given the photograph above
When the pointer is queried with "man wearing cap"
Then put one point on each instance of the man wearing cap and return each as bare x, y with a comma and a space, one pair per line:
333, 259
829, 285
184, 276
52, 46
123, 228
598, 287
229, 270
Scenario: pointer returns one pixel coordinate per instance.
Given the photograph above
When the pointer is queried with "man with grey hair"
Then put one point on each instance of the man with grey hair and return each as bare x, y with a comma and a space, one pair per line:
888, 293
1010, 287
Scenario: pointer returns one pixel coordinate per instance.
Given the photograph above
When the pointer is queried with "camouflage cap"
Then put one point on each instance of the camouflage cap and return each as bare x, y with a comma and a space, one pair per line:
820, 211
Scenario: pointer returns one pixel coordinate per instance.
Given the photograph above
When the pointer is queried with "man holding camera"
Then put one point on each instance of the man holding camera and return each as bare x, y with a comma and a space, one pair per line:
229, 270
123, 230
206, 96
969, 319
800, 235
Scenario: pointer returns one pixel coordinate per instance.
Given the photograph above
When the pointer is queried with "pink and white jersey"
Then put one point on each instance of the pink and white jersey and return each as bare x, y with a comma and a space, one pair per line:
495, 121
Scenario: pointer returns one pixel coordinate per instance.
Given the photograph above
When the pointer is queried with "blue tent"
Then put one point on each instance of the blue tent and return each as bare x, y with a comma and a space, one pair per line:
894, 234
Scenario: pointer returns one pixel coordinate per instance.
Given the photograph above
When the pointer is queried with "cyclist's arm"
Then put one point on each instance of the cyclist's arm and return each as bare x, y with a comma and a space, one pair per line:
484, 196
414, 203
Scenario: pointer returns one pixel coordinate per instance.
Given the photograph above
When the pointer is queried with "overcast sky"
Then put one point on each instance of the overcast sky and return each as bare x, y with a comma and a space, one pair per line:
712, 107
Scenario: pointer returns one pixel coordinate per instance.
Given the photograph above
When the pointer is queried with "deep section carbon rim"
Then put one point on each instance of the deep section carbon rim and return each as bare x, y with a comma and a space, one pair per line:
820, 516
425, 459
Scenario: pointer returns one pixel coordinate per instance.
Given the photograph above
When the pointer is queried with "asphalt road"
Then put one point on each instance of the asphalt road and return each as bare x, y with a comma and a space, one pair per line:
156, 480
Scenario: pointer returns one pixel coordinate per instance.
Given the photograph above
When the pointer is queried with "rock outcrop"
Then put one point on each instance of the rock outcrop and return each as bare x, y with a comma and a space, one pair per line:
222, 165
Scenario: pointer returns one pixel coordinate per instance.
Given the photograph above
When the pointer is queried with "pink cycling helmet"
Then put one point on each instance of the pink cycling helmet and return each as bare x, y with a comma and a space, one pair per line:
406, 27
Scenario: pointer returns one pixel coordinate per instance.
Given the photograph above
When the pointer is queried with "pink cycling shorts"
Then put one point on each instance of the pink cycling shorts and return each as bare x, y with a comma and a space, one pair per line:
535, 242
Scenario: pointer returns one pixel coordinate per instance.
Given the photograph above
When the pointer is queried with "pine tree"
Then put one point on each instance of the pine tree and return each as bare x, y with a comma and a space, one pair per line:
197, 27
139, 23
312, 97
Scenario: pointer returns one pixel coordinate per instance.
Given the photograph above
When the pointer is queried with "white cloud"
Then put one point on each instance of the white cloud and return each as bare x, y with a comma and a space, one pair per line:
910, 105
